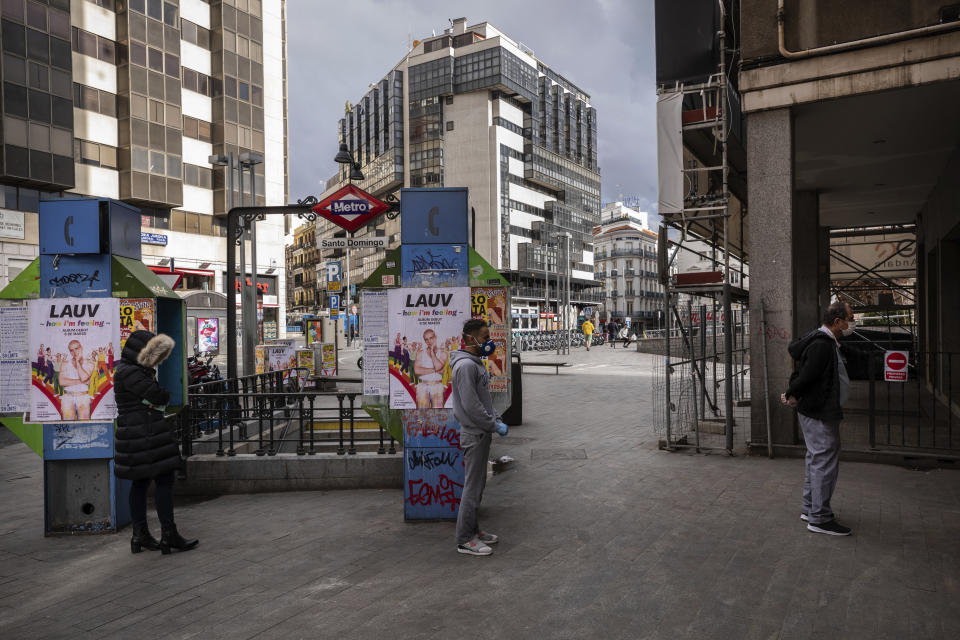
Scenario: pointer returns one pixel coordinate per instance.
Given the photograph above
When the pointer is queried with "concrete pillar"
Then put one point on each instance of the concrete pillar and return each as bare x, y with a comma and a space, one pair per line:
823, 268
772, 261
806, 260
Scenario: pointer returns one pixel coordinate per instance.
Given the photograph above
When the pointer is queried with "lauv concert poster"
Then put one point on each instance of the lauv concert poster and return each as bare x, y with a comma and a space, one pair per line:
73, 345
425, 328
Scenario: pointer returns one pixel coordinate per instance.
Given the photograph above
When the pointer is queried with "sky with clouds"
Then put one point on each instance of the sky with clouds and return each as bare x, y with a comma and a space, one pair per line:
606, 47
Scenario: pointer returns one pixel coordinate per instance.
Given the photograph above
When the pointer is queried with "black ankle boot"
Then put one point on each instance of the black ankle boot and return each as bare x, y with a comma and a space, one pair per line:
171, 539
142, 539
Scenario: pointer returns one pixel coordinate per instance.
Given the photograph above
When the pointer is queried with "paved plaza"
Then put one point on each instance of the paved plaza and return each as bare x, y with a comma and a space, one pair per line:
603, 536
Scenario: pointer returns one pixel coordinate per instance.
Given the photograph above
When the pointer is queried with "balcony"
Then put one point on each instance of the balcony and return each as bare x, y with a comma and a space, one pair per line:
600, 275
629, 272
614, 293
585, 296
616, 253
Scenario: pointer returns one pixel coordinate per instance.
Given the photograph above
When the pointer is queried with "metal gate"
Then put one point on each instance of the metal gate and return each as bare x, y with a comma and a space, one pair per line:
919, 414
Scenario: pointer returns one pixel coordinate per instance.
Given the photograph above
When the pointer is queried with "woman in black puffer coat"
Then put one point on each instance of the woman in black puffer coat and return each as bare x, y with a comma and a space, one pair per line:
145, 445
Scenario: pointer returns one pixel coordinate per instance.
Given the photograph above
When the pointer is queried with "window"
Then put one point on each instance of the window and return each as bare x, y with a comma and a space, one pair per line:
198, 129
95, 46
169, 14
14, 38
172, 64
106, 4
194, 34
95, 100
155, 59
196, 81
155, 9
94, 154
449, 125
37, 15
197, 176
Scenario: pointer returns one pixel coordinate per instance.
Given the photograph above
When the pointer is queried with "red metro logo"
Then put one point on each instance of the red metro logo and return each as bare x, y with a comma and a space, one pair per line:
350, 208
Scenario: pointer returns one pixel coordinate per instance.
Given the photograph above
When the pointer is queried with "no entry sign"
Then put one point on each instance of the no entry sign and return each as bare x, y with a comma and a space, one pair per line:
895, 366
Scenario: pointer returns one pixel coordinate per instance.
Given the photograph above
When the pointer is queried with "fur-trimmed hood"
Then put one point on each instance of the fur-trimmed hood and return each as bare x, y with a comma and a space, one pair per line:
146, 349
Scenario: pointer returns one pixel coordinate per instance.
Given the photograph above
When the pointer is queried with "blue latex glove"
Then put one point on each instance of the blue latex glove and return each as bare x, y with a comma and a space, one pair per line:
502, 428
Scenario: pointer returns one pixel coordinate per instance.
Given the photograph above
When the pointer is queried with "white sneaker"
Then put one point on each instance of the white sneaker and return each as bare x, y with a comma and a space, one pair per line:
804, 517
488, 538
474, 548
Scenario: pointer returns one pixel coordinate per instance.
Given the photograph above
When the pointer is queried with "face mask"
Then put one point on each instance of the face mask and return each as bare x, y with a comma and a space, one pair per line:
851, 327
486, 348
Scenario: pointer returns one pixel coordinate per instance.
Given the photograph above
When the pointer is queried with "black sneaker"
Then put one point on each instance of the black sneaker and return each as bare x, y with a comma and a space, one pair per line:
830, 527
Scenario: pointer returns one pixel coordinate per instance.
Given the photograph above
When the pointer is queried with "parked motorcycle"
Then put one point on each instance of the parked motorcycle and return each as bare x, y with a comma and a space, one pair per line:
200, 369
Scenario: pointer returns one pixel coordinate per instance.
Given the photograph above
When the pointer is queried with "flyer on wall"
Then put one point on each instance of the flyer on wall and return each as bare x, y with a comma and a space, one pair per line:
14, 360
208, 335
376, 379
135, 314
490, 304
72, 346
426, 325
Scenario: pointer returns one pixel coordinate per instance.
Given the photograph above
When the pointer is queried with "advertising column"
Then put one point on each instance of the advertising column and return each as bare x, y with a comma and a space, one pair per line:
426, 317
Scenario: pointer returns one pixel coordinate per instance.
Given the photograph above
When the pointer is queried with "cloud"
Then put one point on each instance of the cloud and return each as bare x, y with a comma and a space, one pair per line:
606, 47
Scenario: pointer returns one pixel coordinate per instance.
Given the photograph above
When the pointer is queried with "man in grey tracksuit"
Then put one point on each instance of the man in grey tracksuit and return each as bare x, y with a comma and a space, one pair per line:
473, 409
819, 390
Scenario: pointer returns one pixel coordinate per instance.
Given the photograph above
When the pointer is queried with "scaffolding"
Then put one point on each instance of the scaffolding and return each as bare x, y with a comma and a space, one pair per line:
702, 386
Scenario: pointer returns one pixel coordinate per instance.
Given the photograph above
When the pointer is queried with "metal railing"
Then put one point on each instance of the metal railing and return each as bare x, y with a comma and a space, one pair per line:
546, 340
265, 413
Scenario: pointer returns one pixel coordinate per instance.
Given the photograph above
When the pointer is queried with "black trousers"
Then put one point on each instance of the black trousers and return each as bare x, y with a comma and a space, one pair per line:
162, 497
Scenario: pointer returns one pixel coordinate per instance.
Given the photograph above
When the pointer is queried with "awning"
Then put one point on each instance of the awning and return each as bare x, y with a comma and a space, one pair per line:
26, 286
185, 272
132, 279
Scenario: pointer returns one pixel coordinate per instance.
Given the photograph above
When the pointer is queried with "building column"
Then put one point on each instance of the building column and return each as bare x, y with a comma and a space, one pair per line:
773, 256
807, 260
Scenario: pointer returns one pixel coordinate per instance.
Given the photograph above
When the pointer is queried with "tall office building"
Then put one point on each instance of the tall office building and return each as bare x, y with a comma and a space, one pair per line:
474, 108
128, 99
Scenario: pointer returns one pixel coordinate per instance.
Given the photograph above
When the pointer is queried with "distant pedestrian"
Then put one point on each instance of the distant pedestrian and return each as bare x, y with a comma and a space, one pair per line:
612, 329
473, 409
146, 447
588, 332
624, 334
819, 390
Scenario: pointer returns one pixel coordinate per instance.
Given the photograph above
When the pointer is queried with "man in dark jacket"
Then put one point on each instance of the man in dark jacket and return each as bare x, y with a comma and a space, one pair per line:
473, 409
145, 446
819, 390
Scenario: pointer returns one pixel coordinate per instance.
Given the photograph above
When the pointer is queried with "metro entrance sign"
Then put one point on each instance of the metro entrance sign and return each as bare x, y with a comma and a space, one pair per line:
895, 366
350, 208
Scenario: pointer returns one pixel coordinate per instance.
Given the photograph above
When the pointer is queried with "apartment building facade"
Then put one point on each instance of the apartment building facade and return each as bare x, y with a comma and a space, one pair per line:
473, 107
128, 100
626, 264
302, 257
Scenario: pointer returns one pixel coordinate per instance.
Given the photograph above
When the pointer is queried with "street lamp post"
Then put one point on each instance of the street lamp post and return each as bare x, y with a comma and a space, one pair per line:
569, 305
229, 161
345, 157
251, 324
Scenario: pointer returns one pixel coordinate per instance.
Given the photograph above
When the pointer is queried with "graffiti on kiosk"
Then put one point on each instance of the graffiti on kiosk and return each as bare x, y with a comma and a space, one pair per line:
427, 261
76, 278
443, 493
433, 458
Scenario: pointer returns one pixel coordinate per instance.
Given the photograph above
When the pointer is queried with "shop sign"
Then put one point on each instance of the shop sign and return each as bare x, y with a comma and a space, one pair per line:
153, 238
12, 224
